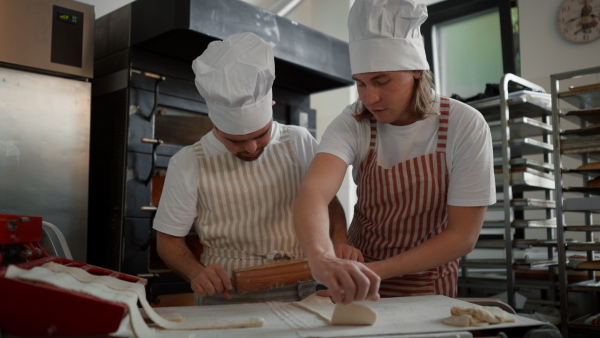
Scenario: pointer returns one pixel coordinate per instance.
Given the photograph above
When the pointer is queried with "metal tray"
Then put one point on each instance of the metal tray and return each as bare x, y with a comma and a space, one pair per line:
521, 223
523, 146
582, 171
589, 130
526, 204
580, 324
588, 285
589, 190
537, 223
525, 180
517, 243
583, 96
583, 246
582, 204
525, 162
520, 103
590, 115
581, 144
520, 128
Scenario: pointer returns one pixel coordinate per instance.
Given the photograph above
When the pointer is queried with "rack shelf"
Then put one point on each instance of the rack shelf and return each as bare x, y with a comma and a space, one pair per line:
579, 145
520, 123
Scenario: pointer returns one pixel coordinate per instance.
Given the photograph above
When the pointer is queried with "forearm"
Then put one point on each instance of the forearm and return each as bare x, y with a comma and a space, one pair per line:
311, 223
177, 256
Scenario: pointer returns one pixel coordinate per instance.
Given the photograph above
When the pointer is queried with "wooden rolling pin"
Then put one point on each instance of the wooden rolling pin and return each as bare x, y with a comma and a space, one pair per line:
271, 276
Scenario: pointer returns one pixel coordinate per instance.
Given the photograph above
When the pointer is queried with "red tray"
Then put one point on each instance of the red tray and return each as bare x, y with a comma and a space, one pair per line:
30, 308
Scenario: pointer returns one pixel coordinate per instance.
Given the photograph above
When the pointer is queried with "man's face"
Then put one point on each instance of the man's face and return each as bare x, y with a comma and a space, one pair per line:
247, 147
387, 95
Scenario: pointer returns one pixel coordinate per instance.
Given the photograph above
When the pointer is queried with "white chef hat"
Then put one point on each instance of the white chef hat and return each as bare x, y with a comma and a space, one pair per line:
385, 36
235, 77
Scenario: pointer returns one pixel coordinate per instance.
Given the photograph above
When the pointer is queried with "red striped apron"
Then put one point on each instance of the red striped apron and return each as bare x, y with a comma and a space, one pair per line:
400, 208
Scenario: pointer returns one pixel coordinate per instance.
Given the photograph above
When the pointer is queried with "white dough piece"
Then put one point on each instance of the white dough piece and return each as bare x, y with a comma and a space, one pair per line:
477, 316
353, 314
338, 314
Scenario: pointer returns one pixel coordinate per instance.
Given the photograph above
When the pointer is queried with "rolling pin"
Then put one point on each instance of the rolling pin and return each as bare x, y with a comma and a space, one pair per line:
271, 276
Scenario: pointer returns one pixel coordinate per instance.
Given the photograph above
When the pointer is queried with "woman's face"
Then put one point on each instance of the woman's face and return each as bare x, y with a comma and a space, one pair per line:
387, 95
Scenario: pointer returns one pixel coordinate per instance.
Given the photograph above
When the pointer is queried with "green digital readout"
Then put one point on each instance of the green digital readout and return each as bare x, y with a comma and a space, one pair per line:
67, 17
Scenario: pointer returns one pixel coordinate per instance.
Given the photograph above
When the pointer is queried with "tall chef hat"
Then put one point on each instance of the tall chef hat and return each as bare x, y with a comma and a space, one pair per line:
235, 77
385, 36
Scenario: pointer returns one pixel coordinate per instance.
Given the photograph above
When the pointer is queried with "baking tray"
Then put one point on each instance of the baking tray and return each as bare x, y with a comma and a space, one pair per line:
520, 127
582, 96
583, 246
537, 223
526, 179
517, 243
590, 115
588, 190
520, 103
582, 204
585, 131
521, 223
580, 324
525, 162
523, 146
582, 171
588, 285
580, 144
526, 204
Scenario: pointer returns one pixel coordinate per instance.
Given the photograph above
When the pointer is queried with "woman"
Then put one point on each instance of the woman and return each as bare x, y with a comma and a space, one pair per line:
423, 165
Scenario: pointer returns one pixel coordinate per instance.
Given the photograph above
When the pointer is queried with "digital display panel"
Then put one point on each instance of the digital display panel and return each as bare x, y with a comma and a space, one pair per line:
67, 17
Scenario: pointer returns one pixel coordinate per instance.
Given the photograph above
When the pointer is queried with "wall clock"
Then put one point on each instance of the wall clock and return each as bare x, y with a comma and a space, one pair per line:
579, 20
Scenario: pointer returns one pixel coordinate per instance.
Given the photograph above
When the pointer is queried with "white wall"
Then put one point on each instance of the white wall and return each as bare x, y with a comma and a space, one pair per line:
543, 49
103, 7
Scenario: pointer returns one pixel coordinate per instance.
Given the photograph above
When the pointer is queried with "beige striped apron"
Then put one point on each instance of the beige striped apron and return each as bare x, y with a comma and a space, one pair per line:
245, 213
400, 208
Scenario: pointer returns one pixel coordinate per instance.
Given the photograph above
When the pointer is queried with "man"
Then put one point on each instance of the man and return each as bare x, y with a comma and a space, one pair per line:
423, 165
236, 186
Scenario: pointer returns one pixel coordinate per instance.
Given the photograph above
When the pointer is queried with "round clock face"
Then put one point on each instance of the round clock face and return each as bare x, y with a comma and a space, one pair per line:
579, 20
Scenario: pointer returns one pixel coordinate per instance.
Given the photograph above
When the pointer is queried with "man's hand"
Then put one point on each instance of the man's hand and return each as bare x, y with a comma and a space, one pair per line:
347, 251
346, 280
212, 280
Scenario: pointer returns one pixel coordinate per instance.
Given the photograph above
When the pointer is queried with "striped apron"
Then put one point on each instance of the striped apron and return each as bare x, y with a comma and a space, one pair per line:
402, 207
245, 213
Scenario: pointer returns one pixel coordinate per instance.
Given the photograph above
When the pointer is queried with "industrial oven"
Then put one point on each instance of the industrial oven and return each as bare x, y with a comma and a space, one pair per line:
145, 108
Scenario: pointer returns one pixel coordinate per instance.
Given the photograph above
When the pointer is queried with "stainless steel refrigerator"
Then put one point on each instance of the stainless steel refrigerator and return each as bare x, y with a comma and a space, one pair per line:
46, 64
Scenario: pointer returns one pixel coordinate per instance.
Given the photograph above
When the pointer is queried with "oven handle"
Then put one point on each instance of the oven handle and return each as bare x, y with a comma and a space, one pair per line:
158, 79
155, 143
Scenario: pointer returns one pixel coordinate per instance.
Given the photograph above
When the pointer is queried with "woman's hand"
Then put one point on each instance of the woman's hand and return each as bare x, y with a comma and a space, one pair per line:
347, 281
212, 280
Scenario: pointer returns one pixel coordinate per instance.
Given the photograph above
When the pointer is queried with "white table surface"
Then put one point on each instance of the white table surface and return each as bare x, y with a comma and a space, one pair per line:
396, 317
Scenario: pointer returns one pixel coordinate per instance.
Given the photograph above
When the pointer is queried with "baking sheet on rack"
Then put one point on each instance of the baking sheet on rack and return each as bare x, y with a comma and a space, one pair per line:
395, 316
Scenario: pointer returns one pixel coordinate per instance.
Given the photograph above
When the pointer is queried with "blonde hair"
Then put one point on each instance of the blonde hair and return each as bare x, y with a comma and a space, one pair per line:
421, 103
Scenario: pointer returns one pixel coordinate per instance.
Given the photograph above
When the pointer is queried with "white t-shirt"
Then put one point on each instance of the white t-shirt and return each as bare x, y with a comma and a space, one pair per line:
178, 205
469, 153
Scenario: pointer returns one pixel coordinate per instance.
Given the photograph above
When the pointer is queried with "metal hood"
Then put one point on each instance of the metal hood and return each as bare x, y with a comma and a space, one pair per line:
306, 60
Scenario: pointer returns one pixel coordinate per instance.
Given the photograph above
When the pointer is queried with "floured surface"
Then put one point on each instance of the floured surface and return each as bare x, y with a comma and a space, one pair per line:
408, 315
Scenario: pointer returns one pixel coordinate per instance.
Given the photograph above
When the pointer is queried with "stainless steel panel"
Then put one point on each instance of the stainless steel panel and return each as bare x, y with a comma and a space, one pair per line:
26, 35
44, 151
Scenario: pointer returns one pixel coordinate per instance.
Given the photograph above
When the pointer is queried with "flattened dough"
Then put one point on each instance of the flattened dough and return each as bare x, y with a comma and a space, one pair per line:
338, 314
477, 316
